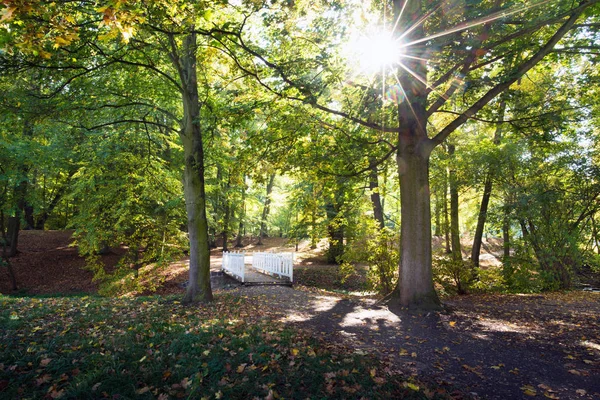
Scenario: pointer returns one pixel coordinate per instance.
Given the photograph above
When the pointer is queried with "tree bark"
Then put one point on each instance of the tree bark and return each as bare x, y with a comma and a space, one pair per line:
446, 215
12, 235
454, 222
506, 234
415, 285
487, 193
242, 216
266, 210
438, 212
375, 196
198, 288
227, 214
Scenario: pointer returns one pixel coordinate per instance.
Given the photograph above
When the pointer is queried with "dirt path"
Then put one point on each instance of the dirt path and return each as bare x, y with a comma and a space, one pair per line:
490, 347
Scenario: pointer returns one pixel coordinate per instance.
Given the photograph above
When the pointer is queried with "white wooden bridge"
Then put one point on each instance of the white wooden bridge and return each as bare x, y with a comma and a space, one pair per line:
264, 268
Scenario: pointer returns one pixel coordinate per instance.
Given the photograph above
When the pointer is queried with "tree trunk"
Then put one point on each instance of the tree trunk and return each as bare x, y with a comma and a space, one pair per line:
227, 214
198, 288
225, 234
487, 192
446, 215
438, 213
506, 234
313, 229
454, 223
266, 209
12, 235
485, 201
240, 233
375, 196
415, 285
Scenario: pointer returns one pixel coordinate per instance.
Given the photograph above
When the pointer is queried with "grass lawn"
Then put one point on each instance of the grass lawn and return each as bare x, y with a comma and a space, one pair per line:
154, 347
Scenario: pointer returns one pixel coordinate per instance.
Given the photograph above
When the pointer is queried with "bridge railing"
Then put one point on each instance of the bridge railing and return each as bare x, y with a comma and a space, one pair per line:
233, 263
281, 264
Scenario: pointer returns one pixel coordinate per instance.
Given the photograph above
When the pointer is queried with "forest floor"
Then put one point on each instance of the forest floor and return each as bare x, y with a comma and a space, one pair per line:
482, 346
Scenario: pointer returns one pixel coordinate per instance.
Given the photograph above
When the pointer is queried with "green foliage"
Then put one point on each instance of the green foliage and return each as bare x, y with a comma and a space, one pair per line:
378, 249
156, 348
129, 205
454, 276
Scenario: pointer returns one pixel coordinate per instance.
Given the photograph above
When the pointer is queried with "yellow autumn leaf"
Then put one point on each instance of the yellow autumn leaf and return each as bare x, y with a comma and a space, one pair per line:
452, 323
529, 390
295, 352
241, 368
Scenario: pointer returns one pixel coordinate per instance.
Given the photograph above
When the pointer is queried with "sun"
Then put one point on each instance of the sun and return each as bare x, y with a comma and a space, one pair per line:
375, 52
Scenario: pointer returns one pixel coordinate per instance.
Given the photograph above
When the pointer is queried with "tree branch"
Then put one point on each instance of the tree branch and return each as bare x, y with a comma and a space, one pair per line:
521, 70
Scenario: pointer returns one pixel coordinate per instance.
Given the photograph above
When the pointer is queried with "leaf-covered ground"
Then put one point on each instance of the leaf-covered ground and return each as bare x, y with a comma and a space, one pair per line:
90, 347
488, 346
485, 346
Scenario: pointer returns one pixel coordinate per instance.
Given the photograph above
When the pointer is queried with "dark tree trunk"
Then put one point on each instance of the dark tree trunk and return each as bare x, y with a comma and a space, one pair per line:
198, 288
446, 215
227, 215
242, 216
266, 210
487, 193
12, 235
506, 234
41, 221
454, 222
375, 196
478, 238
313, 229
438, 212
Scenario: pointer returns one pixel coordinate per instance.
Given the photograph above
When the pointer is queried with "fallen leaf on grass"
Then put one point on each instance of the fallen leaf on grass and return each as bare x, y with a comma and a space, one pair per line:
45, 361
452, 323
241, 368
581, 392
574, 372
142, 390
43, 379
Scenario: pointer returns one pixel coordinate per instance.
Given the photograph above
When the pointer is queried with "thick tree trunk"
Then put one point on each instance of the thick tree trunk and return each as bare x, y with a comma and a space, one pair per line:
198, 288
454, 222
266, 210
415, 285
375, 196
